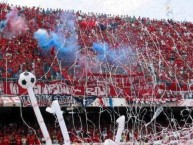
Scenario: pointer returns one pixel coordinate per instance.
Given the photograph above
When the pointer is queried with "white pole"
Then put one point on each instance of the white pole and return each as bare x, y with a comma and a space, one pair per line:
39, 116
121, 126
109, 142
56, 108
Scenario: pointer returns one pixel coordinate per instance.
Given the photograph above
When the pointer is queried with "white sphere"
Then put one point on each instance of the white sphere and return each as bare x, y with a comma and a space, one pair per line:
26, 80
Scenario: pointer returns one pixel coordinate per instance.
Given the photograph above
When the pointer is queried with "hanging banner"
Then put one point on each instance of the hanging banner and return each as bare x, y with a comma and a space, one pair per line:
46, 100
58, 87
91, 101
85, 101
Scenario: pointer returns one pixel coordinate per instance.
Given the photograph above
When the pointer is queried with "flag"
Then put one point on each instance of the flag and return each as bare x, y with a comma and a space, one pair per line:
85, 101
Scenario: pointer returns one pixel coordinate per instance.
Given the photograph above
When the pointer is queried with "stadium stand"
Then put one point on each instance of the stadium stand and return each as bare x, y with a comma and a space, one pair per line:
151, 39
162, 67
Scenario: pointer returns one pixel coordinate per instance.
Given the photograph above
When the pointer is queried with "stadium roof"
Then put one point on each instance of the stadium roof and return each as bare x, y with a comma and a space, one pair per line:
180, 10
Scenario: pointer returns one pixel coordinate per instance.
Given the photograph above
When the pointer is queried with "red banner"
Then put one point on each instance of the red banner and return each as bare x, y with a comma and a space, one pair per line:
58, 87
102, 85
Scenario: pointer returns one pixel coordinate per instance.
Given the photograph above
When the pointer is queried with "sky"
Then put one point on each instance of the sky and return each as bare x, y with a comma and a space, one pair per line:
180, 10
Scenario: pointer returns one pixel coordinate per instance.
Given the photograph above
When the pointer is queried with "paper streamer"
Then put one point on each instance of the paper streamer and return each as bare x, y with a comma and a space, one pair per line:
156, 114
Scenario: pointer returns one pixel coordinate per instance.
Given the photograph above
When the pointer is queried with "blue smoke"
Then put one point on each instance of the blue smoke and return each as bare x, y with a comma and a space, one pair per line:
116, 56
66, 46
56, 41
70, 48
102, 49
48, 40
43, 39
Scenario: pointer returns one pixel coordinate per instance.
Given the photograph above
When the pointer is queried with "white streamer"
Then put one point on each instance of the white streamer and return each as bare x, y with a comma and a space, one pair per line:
156, 114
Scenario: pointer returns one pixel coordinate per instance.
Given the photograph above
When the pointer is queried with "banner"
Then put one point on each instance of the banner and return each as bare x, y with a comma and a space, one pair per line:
92, 101
85, 101
10, 101
103, 85
61, 88
46, 100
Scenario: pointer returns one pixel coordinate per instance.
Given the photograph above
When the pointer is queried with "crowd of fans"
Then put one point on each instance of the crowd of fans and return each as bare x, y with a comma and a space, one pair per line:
162, 48
80, 130
89, 127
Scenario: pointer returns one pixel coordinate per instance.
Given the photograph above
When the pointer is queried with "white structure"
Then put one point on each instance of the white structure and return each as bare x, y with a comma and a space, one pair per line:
55, 109
27, 81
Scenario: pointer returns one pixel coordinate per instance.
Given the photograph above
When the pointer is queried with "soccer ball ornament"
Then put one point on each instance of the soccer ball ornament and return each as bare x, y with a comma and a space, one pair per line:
26, 80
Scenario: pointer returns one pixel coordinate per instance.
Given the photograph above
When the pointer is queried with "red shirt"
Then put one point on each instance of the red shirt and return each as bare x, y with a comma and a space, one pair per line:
96, 138
6, 141
18, 141
30, 140
37, 141
1, 142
